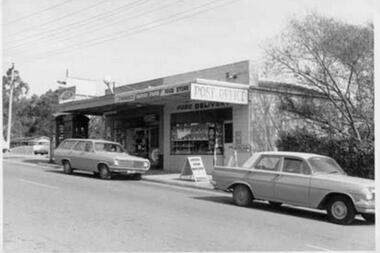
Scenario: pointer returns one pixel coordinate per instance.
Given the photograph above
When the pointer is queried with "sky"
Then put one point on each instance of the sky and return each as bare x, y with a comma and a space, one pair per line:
137, 40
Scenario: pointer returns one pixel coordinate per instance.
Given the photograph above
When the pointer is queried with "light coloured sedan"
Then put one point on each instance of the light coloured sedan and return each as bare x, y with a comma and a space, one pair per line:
103, 158
300, 179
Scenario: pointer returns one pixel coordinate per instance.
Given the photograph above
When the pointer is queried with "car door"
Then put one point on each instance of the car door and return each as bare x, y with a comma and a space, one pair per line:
88, 157
77, 155
293, 184
263, 175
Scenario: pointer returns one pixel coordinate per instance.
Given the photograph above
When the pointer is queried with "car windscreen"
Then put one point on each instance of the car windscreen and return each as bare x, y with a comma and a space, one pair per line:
108, 147
325, 165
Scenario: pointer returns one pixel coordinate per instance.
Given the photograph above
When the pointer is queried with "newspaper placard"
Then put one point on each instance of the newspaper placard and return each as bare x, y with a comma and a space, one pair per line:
193, 169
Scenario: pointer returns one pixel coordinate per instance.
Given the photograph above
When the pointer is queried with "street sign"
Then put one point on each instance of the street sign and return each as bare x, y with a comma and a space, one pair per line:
193, 169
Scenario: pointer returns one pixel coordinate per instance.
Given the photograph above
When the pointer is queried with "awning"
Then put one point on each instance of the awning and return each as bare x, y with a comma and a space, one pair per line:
198, 90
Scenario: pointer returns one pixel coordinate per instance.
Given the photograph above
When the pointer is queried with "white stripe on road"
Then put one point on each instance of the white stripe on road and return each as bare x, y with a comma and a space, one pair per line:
317, 247
39, 184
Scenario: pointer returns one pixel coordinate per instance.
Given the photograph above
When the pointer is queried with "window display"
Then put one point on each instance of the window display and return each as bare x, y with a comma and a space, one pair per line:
201, 137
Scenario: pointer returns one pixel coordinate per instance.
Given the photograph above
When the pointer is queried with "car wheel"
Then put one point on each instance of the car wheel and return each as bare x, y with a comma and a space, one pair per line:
136, 176
242, 195
275, 204
340, 210
104, 172
369, 217
67, 167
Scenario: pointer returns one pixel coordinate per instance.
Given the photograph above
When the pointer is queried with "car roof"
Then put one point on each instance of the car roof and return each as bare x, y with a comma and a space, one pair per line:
290, 153
93, 140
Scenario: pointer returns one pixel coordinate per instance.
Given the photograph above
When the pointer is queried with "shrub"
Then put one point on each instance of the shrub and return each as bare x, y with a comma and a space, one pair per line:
355, 157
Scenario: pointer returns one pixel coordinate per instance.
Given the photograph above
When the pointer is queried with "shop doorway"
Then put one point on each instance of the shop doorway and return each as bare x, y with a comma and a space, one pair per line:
146, 145
228, 142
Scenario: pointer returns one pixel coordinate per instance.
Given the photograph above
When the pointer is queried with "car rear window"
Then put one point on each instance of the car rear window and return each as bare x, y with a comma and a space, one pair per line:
67, 144
268, 163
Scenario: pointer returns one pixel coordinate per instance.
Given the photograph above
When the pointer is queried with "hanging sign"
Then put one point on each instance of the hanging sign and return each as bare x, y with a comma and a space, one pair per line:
193, 169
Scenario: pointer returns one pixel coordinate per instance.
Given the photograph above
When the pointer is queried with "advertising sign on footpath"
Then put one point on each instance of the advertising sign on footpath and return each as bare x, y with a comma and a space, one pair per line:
194, 169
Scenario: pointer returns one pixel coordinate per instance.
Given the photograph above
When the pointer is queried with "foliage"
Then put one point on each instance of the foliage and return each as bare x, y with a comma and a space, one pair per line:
20, 90
96, 127
335, 58
355, 157
31, 116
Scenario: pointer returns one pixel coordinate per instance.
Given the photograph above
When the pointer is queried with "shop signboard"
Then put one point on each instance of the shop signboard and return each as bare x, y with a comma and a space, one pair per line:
131, 96
125, 97
193, 169
219, 93
67, 95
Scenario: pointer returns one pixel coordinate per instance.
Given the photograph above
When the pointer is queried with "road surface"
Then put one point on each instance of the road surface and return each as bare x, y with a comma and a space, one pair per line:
46, 210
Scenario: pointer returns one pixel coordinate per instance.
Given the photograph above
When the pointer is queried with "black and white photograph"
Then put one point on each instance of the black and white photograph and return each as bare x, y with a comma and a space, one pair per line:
188, 126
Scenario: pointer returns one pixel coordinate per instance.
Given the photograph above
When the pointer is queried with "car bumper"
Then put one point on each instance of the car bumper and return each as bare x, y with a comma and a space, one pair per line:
122, 170
365, 206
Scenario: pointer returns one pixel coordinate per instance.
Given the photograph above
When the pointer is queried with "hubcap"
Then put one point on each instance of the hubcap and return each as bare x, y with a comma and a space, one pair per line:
241, 196
339, 210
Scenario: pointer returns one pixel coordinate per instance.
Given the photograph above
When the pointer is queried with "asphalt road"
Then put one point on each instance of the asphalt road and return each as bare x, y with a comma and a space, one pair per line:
46, 210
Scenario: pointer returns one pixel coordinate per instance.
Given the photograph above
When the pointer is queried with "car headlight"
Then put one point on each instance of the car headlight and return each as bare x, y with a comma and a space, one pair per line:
116, 162
369, 194
146, 164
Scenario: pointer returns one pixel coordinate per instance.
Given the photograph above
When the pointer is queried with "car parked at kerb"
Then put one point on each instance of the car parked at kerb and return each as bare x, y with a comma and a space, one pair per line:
299, 179
103, 158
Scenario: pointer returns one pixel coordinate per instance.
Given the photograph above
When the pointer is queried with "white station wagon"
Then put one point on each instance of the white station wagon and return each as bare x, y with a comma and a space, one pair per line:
103, 158
300, 179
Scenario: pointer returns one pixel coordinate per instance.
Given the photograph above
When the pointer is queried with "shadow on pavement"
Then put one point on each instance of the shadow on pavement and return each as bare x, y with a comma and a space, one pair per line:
283, 210
91, 175
37, 161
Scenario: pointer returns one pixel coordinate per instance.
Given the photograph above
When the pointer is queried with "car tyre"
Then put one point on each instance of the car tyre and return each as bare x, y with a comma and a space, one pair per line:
369, 217
104, 172
67, 167
136, 176
242, 195
274, 204
340, 210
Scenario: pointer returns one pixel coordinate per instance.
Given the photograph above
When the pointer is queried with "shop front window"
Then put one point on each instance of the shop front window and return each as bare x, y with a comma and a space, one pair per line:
198, 133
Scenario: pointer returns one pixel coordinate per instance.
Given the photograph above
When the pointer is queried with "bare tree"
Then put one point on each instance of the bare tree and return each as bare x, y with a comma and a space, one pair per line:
336, 59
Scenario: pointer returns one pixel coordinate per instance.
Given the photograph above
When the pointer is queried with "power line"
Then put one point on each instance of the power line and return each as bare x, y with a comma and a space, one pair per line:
38, 26
96, 28
50, 34
139, 29
37, 12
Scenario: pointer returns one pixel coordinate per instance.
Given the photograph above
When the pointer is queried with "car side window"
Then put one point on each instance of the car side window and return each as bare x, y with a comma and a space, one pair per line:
294, 165
67, 144
88, 147
79, 146
271, 163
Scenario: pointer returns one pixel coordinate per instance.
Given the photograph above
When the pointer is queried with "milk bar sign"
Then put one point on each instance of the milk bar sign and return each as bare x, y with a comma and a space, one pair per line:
194, 169
219, 94
132, 96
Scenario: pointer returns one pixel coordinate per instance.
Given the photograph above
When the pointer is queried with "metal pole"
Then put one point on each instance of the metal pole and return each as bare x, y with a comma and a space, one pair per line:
10, 108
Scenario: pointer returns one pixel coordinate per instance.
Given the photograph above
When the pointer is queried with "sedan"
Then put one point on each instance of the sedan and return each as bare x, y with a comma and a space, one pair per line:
300, 179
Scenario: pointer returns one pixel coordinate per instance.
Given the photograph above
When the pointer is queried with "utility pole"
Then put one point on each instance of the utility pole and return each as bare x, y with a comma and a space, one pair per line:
10, 106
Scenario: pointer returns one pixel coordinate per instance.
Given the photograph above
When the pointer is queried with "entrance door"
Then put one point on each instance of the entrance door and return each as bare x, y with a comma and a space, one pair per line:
147, 146
153, 147
228, 141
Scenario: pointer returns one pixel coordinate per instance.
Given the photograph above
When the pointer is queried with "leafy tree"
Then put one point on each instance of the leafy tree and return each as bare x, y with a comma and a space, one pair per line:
336, 59
20, 90
96, 127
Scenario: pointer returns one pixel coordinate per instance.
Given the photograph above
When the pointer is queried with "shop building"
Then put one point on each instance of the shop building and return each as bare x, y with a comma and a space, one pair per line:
215, 113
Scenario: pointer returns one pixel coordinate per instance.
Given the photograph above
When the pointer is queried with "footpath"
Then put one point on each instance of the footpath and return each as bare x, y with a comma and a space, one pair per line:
157, 176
